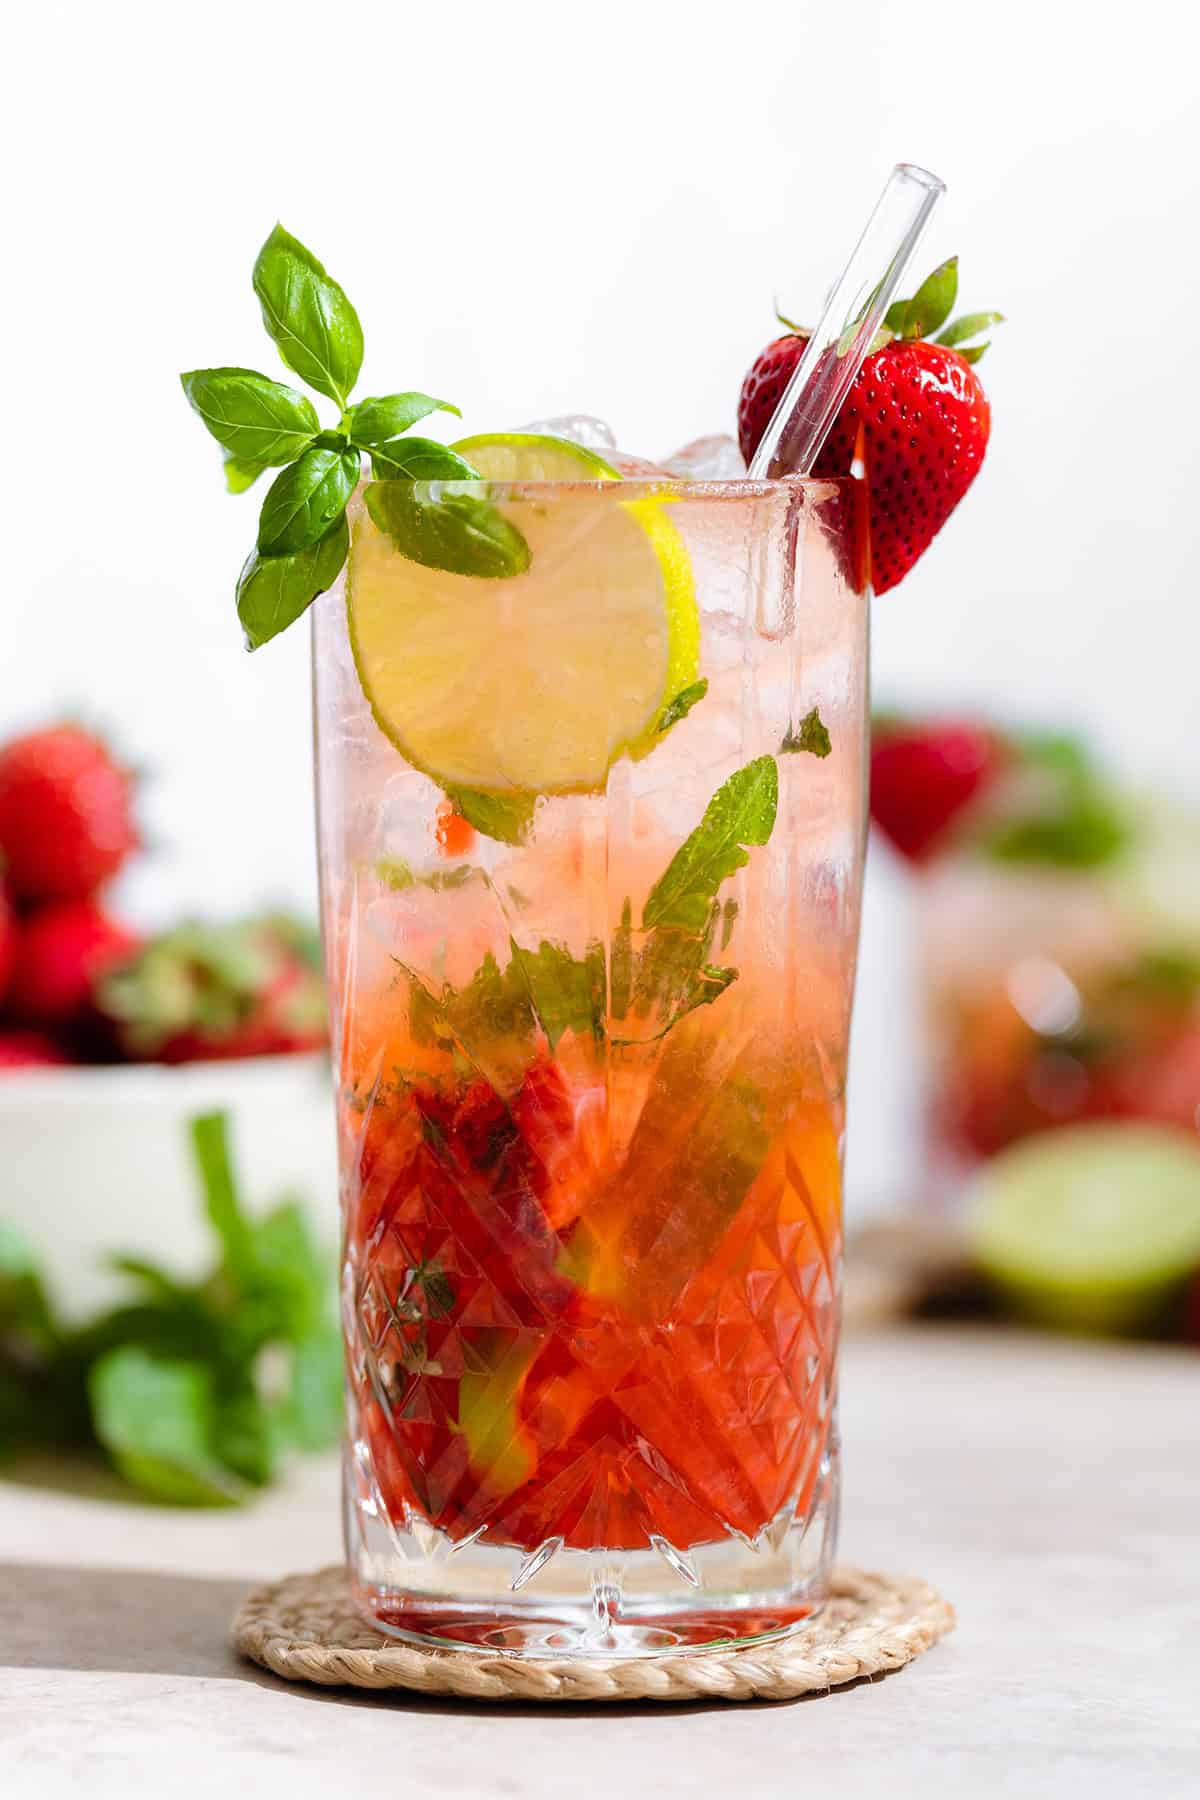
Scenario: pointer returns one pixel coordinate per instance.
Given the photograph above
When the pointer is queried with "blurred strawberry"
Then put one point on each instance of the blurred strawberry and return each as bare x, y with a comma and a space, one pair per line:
917, 416
204, 992
924, 776
62, 951
66, 814
8, 935
28, 1050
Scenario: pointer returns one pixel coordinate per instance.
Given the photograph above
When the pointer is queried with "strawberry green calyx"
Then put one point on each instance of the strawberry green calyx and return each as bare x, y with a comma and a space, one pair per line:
928, 310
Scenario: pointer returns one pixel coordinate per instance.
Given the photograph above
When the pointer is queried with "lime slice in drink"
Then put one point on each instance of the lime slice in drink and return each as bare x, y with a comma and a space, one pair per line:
1090, 1228
537, 683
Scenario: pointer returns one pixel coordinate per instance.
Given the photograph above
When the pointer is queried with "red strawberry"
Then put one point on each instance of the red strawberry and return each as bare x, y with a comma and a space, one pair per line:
917, 415
66, 821
206, 992
28, 1050
7, 942
61, 952
922, 777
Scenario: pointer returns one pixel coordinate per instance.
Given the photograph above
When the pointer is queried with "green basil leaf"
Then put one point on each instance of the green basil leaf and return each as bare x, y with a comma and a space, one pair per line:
312, 322
210, 1148
681, 705
740, 813
812, 734
255, 419
245, 1437
375, 421
240, 474
455, 532
303, 502
25, 1311
420, 459
505, 817
969, 326
156, 1419
933, 301
313, 1412
273, 591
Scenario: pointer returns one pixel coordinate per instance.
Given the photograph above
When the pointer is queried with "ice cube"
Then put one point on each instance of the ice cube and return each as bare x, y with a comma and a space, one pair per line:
708, 459
580, 428
637, 468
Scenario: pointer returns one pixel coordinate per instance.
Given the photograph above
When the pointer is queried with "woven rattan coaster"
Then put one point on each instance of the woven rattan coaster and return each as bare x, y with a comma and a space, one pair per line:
305, 1628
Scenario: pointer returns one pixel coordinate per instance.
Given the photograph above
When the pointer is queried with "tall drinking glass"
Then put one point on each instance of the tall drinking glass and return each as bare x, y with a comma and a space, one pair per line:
591, 1041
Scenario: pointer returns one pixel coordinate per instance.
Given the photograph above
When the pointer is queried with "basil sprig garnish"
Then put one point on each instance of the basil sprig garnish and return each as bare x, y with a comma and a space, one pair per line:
260, 424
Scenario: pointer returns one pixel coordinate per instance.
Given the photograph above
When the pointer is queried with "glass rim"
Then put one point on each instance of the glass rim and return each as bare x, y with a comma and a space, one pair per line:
638, 487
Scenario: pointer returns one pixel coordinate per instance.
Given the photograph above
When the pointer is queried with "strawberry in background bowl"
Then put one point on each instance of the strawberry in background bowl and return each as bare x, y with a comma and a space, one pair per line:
111, 1039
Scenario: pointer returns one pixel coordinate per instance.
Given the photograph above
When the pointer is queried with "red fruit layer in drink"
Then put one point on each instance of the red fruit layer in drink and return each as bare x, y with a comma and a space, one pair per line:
554, 1338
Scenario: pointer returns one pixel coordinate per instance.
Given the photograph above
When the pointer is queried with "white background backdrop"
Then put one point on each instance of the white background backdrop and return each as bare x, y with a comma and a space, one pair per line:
544, 207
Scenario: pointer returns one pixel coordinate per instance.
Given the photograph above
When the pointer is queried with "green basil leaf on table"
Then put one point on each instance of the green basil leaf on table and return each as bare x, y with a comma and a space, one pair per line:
156, 1419
256, 420
315, 328
273, 591
374, 421
304, 501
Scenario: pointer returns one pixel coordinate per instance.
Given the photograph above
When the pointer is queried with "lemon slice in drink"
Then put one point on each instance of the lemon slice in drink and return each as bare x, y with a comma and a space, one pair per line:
536, 683
1091, 1228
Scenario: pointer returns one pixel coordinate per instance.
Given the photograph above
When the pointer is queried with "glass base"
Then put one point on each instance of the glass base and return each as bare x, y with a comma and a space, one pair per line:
415, 1583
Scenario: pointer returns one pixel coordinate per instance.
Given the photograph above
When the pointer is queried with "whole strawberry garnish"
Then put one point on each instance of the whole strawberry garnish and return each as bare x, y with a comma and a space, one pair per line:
66, 814
62, 951
29, 1050
917, 415
924, 776
205, 992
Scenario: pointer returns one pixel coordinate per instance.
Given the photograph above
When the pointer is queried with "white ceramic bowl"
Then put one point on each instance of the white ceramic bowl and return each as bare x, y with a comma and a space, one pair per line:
97, 1160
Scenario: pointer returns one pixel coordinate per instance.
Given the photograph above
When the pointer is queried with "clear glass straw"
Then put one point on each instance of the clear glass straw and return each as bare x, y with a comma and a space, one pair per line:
853, 314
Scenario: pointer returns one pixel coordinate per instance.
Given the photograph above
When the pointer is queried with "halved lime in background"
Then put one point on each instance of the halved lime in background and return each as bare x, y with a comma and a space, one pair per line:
538, 683
1091, 1228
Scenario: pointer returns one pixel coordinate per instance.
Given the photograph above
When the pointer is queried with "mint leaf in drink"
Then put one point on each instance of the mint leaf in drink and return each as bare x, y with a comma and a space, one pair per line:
418, 459
681, 705
566, 993
811, 735
305, 500
257, 420
240, 474
273, 591
374, 421
740, 814
398, 875
456, 532
505, 817
312, 322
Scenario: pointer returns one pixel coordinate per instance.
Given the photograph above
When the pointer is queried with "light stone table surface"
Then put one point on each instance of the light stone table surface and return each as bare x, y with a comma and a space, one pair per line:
1051, 1489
